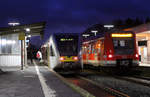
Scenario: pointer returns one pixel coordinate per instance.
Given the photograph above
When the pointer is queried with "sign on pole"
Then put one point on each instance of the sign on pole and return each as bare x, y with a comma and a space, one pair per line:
22, 36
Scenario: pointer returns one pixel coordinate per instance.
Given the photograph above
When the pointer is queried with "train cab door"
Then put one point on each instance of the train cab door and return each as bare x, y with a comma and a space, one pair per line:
53, 60
97, 53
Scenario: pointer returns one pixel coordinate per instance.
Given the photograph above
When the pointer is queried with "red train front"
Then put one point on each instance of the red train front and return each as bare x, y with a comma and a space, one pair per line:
117, 48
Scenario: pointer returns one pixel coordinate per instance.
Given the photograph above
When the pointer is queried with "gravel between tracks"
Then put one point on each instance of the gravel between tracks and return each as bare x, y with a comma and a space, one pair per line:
130, 88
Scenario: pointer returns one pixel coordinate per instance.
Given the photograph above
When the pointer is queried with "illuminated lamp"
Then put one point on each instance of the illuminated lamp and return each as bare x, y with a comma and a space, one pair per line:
62, 58
136, 55
110, 56
94, 31
29, 35
86, 35
27, 29
109, 26
13, 23
75, 58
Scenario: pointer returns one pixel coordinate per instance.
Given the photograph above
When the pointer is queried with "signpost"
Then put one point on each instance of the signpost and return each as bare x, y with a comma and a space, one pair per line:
22, 36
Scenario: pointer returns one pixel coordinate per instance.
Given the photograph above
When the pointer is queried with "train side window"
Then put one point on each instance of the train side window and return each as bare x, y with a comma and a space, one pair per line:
51, 51
115, 43
122, 43
93, 49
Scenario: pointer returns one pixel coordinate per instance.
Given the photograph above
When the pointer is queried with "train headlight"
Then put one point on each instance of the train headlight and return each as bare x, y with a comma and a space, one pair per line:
110, 56
136, 55
75, 58
62, 58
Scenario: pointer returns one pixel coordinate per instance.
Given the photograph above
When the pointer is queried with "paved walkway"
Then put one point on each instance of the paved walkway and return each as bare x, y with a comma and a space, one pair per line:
34, 81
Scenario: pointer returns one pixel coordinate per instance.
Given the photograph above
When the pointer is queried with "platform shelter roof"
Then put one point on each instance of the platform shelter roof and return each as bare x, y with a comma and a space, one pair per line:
35, 29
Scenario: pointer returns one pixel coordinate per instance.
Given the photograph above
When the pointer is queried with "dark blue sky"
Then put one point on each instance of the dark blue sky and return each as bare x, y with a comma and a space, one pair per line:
71, 15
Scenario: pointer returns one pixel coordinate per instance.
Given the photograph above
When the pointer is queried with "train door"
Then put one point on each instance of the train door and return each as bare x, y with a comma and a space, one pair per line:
95, 49
93, 55
101, 52
84, 54
52, 58
89, 54
98, 51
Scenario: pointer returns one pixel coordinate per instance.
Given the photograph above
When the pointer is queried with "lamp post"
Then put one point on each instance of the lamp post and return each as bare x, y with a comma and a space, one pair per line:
94, 31
85, 35
27, 29
27, 32
13, 23
109, 26
26, 43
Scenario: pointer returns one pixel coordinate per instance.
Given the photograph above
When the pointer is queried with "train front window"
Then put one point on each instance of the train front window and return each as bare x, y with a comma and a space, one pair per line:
123, 45
67, 46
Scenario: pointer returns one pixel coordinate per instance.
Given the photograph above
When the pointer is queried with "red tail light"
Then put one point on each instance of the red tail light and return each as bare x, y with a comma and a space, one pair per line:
62, 58
75, 58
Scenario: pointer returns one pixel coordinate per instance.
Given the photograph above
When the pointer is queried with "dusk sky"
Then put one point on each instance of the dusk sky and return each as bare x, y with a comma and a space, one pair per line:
71, 15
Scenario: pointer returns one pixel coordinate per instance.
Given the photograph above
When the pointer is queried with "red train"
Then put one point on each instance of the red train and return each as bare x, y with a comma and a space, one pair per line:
111, 49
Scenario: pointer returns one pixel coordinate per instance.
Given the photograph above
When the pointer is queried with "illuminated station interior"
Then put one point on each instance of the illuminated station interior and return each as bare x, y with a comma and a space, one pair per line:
143, 41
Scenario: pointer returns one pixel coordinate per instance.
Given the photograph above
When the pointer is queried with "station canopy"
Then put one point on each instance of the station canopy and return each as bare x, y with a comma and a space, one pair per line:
142, 31
34, 29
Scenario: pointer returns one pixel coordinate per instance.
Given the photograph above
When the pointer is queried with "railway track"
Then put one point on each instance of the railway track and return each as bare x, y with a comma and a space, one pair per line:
110, 85
137, 79
130, 85
93, 88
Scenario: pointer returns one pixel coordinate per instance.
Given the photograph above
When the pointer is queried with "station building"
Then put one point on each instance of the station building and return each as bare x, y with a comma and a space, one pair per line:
143, 41
13, 45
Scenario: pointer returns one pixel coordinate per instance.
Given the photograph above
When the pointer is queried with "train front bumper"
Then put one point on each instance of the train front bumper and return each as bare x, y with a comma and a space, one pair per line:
123, 62
69, 65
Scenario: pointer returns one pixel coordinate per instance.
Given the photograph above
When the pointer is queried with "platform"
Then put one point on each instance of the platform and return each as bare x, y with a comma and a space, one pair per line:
33, 81
145, 64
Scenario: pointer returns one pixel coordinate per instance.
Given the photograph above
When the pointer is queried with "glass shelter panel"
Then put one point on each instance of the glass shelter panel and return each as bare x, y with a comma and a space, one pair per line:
9, 44
16, 46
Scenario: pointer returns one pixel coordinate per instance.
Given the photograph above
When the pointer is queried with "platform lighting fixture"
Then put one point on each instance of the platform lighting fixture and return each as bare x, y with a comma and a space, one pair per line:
29, 36
85, 35
27, 29
13, 23
94, 31
109, 26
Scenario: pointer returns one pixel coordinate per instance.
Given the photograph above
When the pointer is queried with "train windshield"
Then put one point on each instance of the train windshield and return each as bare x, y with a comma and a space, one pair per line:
67, 45
123, 46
